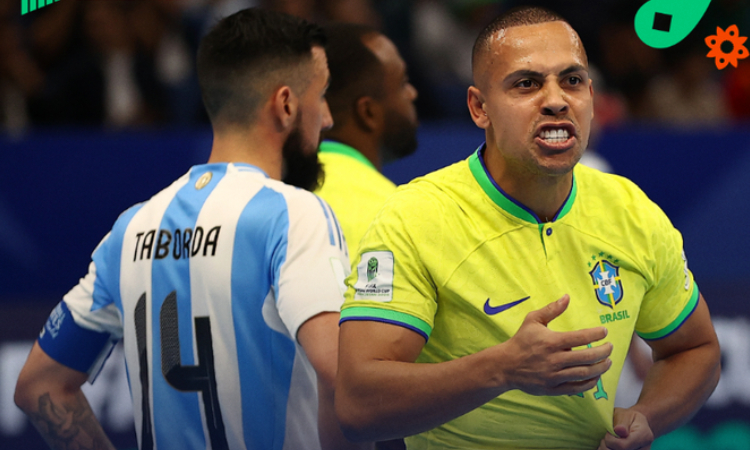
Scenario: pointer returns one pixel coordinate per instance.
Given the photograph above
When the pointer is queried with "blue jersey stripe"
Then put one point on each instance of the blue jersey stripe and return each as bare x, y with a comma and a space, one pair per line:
265, 356
339, 233
107, 261
232, 374
170, 274
328, 219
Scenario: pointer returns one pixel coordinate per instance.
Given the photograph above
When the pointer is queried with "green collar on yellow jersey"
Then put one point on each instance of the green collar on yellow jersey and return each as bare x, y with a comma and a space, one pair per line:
505, 201
328, 146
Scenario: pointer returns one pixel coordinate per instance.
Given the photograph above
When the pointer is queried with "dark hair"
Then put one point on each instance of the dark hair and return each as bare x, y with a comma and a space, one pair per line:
355, 70
247, 54
522, 15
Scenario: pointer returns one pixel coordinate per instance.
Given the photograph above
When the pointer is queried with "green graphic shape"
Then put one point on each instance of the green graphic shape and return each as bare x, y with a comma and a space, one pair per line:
664, 23
32, 5
372, 268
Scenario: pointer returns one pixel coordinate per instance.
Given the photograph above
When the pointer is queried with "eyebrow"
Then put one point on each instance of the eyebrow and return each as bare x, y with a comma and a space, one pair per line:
534, 74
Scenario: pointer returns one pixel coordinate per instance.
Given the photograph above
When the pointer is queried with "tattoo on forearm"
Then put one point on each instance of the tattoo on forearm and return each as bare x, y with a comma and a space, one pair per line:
69, 425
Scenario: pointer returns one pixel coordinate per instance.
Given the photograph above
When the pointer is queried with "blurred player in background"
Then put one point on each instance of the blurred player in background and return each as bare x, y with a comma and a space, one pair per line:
448, 334
375, 121
225, 287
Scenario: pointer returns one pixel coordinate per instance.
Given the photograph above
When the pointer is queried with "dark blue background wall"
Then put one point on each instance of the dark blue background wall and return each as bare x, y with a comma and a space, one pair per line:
61, 191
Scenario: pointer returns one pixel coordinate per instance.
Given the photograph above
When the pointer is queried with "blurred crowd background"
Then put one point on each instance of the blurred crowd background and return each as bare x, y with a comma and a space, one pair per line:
130, 63
83, 83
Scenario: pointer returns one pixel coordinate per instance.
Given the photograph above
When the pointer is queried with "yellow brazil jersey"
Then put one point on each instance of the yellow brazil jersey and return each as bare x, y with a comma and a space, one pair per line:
455, 259
354, 188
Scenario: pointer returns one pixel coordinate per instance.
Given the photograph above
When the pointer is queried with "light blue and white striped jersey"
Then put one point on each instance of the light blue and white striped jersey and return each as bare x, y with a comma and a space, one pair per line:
207, 284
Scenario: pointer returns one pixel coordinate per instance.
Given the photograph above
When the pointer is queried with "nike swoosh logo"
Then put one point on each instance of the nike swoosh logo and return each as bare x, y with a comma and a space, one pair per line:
492, 310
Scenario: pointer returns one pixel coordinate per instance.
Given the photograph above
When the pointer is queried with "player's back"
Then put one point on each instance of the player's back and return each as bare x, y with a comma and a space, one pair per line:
354, 188
195, 274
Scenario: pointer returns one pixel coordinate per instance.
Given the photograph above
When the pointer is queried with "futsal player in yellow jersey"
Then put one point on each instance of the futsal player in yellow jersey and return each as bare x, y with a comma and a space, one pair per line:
491, 261
372, 104
354, 188
494, 301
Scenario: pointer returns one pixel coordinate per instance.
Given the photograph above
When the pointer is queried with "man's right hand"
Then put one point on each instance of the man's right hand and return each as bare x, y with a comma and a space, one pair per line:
543, 362
382, 394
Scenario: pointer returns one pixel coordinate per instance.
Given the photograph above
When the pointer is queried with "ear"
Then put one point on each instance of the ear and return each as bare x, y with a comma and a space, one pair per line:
369, 114
284, 107
475, 101
591, 91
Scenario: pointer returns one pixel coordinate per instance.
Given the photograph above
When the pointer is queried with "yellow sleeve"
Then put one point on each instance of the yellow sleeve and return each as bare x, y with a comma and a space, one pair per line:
673, 293
390, 282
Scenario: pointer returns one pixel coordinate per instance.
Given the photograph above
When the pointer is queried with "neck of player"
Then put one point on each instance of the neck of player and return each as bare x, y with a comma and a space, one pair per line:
542, 193
367, 143
253, 146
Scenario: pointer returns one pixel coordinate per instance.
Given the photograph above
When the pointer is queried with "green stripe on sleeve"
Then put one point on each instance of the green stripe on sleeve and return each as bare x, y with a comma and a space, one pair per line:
388, 316
669, 329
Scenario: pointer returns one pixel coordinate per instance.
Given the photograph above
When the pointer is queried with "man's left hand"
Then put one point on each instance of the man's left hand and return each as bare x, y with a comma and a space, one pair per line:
632, 432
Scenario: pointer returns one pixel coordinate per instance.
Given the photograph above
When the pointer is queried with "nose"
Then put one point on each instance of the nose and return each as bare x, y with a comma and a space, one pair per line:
554, 102
413, 93
327, 122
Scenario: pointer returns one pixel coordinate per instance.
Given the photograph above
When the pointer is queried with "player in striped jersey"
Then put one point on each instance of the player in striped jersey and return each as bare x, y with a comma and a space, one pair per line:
225, 287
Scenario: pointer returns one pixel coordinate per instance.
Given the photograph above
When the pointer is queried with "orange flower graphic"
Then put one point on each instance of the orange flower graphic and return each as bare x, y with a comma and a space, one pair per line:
731, 35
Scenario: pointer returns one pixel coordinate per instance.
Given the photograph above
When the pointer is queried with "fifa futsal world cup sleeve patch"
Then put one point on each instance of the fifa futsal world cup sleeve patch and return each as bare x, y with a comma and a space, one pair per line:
375, 277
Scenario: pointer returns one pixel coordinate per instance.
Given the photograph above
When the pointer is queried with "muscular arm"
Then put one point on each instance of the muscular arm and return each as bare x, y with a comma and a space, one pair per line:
685, 372
382, 394
319, 337
686, 369
50, 394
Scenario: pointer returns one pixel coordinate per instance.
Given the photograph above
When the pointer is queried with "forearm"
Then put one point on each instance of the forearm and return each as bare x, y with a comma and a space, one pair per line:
677, 386
65, 421
331, 435
392, 399
381, 393
50, 394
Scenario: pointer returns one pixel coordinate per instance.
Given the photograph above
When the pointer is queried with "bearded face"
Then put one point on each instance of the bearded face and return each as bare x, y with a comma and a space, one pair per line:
301, 166
399, 137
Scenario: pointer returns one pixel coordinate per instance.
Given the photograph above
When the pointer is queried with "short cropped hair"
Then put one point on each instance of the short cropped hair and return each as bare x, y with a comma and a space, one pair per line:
355, 70
249, 53
522, 15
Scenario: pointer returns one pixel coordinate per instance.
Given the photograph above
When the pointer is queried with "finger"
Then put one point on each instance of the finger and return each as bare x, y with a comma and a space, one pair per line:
633, 441
622, 431
614, 443
622, 422
583, 357
581, 373
580, 338
573, 387
549, 312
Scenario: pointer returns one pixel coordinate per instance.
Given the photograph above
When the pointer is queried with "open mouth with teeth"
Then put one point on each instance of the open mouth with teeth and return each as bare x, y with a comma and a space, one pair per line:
555, 136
